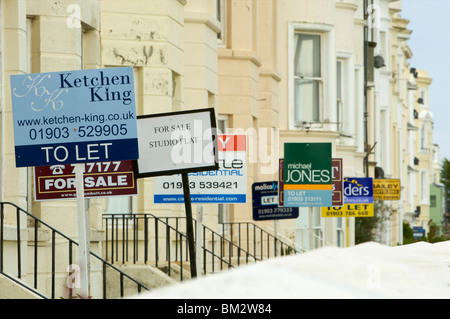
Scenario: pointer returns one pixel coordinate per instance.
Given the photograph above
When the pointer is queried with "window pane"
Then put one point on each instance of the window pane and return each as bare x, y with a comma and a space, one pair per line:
307, 55
306, 100
339, 104
118, 205
307, 73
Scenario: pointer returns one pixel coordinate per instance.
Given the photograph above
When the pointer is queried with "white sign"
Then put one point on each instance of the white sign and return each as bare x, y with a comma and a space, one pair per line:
175, 143
228, 184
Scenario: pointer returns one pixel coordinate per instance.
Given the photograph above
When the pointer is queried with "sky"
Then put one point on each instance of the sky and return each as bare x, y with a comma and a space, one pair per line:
430, 45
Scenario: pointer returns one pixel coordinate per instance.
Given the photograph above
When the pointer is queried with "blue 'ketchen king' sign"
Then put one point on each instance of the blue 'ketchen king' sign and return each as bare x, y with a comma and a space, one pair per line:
73, 117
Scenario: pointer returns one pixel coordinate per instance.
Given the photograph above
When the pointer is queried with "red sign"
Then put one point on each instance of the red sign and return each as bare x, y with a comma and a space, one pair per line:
101, 179
337, 193
231, 143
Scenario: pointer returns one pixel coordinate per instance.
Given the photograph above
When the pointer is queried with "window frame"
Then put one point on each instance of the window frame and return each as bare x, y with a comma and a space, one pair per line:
317, 105
327, 92
221, 16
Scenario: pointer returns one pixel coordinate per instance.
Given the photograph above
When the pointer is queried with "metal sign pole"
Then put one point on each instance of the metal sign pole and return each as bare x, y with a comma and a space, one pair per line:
83, 227
189, 226
311, 236
199, 239
347, 228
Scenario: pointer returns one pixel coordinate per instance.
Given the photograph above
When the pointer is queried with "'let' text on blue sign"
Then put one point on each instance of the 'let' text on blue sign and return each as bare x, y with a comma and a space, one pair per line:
74, 117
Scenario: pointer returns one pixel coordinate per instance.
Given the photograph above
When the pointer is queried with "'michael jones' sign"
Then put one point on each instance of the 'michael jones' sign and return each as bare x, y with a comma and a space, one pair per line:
101, 179
74, 117
307, 174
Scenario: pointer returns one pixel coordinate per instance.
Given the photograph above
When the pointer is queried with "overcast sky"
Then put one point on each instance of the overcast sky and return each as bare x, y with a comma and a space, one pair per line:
430, 45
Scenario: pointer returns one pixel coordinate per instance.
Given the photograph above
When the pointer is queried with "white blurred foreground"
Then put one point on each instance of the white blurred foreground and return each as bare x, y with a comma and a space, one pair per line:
369, 270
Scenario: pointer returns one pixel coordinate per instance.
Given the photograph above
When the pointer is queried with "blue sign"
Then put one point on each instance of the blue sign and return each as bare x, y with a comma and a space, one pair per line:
418, 232
199, 198
73, 117
358, 190
265, 203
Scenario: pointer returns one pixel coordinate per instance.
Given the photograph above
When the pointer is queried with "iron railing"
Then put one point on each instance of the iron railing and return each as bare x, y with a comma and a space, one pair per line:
161, 241
18, 282
29, 236
256, 240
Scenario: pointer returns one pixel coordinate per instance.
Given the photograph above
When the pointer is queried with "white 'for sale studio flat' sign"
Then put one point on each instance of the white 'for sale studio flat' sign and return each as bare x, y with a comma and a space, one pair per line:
176, 143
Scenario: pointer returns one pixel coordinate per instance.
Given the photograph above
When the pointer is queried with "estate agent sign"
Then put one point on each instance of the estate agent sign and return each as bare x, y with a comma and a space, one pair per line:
265, 203
307, 174
75, 117
358, 199
71, 117
348, 210
358, 190
177, 142
337, 181
227, 185
386, 189
101, 179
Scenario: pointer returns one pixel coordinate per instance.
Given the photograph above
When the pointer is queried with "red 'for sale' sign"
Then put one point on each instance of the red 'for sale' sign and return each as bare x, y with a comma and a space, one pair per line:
101, 179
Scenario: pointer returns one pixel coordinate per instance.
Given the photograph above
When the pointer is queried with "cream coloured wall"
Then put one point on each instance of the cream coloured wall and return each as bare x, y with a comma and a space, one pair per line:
179, 64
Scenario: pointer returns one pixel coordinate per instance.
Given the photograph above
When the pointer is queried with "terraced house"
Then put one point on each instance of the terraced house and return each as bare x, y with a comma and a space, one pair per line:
278, 71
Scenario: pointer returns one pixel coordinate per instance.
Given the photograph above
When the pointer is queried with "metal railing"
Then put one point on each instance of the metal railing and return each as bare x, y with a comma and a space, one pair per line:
18, 282
256, 240
30, 237
162, 242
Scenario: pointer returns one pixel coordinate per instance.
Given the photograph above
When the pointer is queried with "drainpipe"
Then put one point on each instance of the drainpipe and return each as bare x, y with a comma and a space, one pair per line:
2, 108
369, 46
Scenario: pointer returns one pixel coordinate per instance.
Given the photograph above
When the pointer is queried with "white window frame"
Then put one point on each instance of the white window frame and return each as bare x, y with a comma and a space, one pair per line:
348, 117
317, 106
424, 188
340, 94
327, 98
411, 187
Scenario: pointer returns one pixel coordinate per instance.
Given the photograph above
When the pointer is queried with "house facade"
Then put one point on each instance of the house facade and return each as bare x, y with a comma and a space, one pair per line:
278, 71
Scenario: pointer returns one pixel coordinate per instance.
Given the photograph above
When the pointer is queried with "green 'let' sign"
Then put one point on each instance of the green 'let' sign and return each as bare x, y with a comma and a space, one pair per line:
307, 174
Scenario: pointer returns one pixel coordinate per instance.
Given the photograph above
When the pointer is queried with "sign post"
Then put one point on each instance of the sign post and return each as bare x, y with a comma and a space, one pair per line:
75, 117
189, 225
178, 143
199, 239
83, 228
358, 201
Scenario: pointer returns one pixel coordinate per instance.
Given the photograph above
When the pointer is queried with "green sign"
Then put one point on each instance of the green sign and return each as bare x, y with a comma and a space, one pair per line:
307, 174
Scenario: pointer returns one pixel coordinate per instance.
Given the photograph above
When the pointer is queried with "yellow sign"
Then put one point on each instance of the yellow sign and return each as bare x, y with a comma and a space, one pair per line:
348, 210
386, 189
